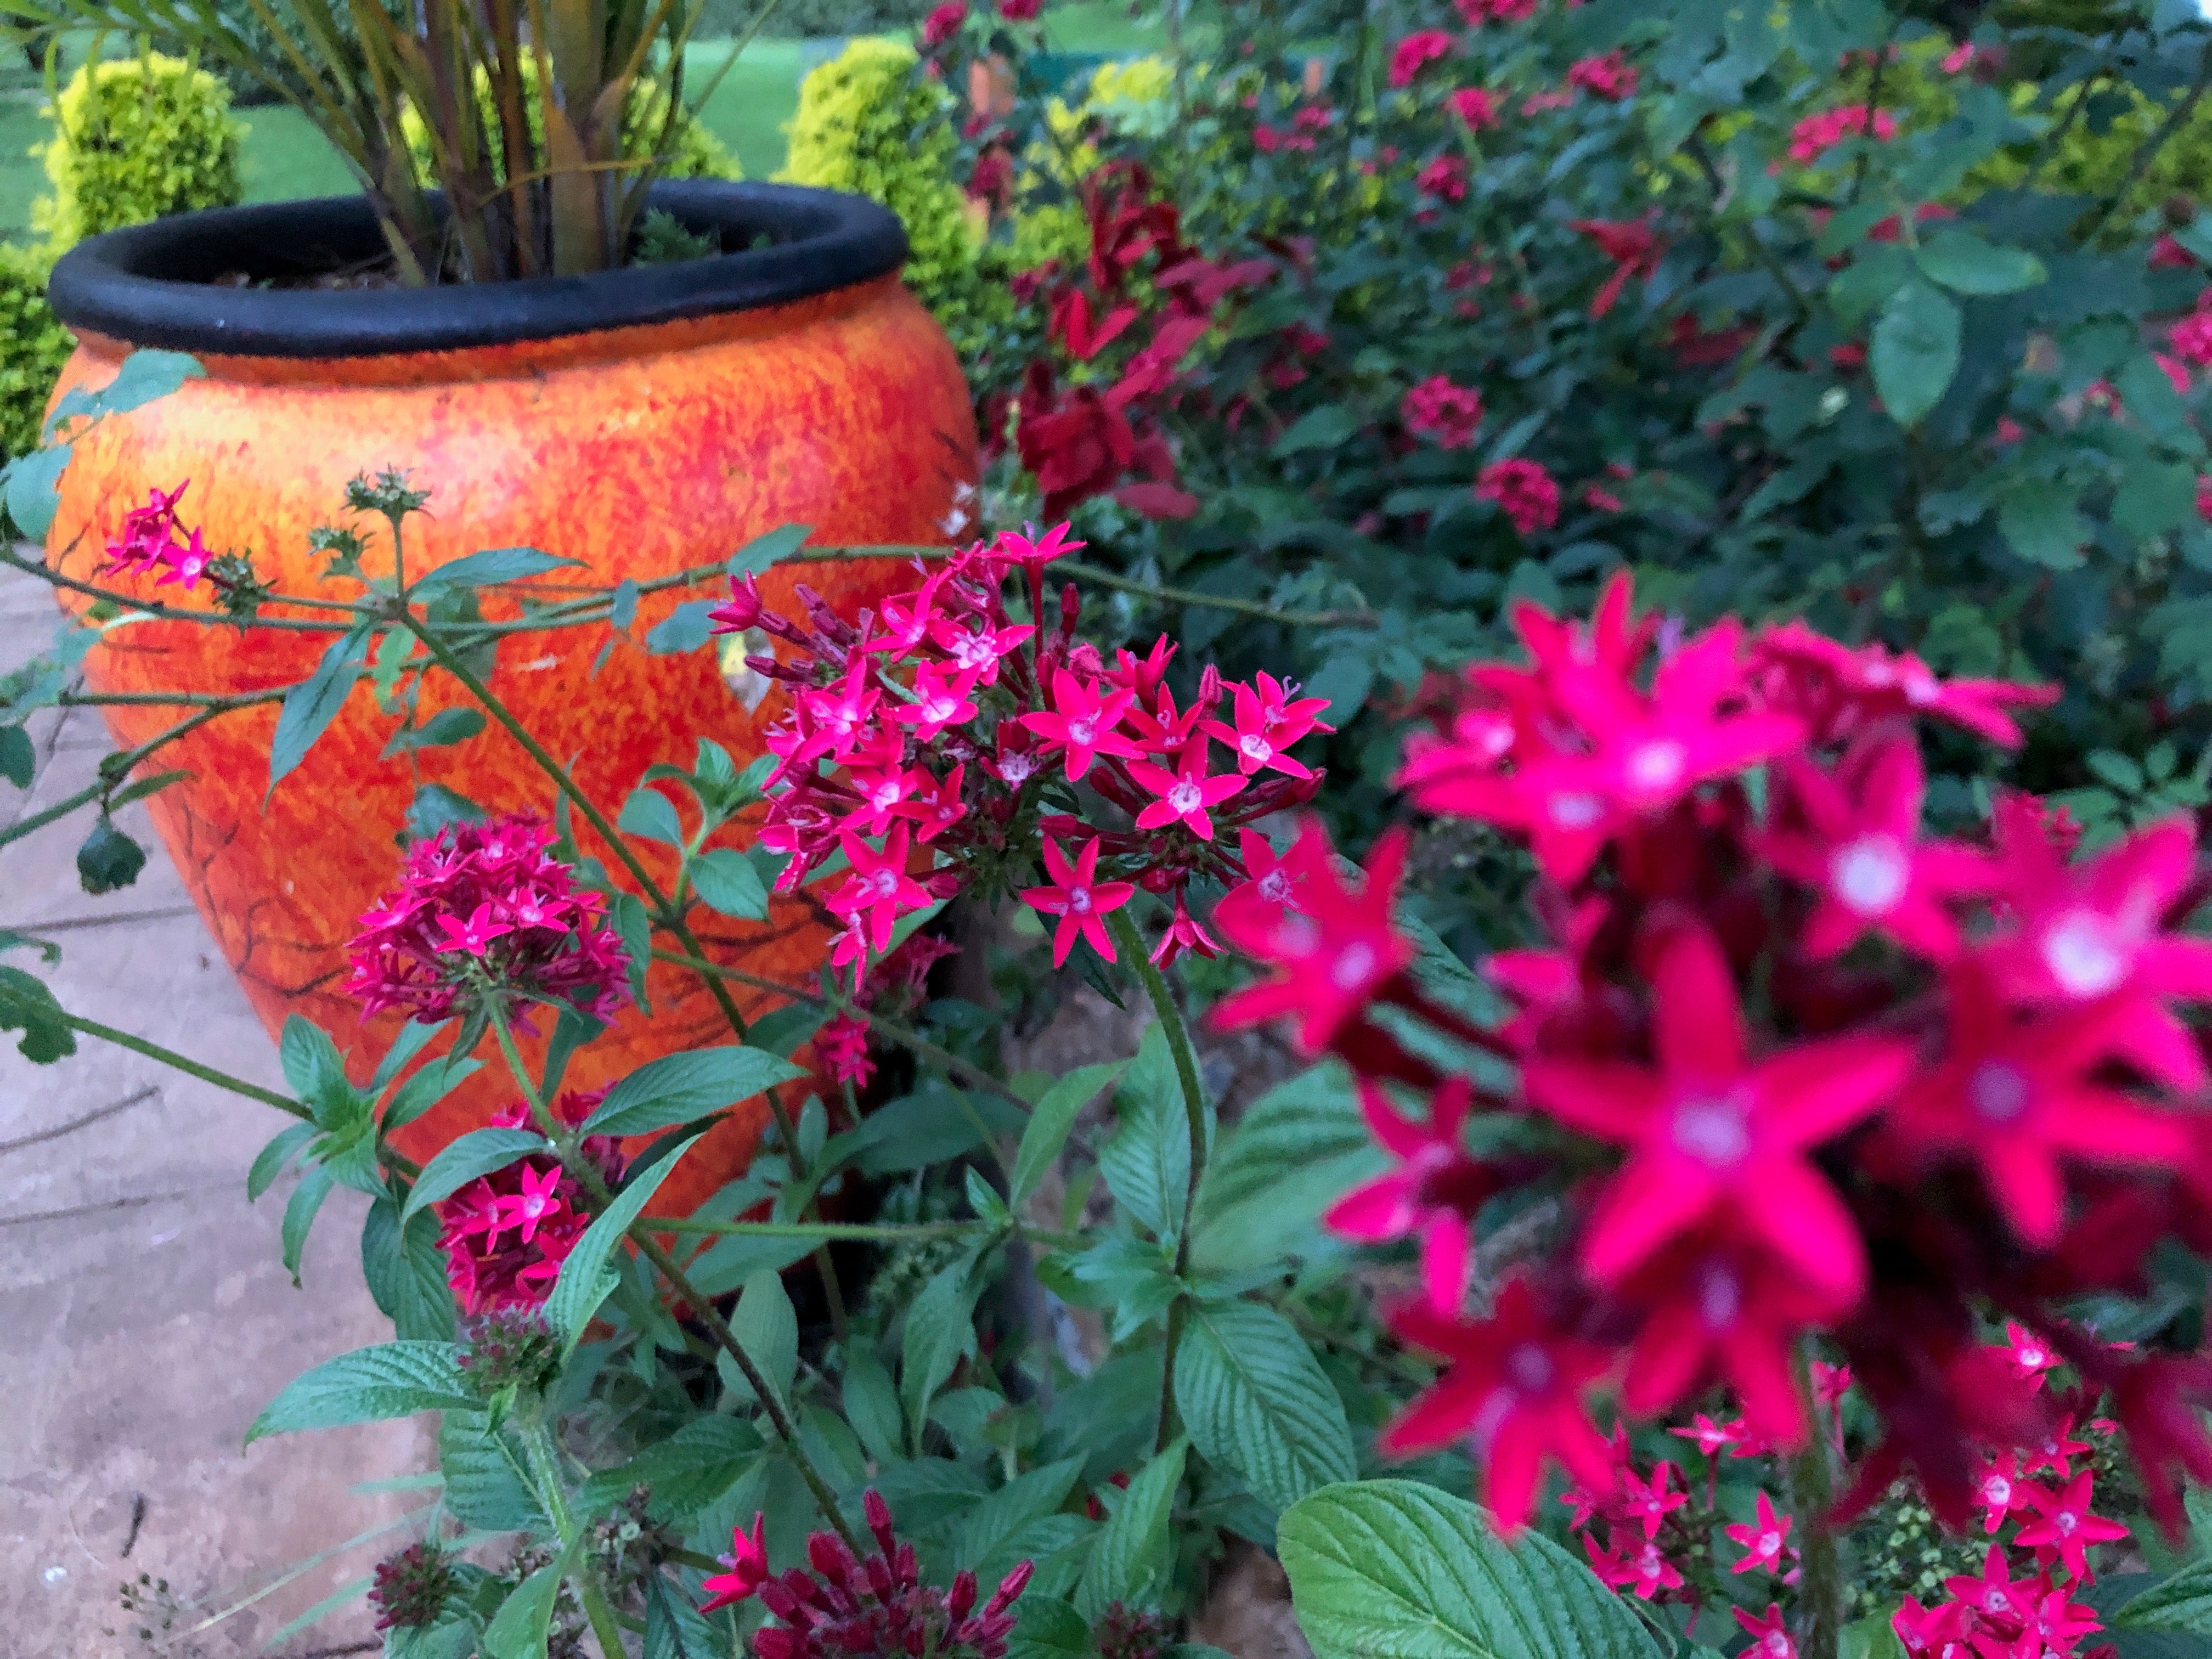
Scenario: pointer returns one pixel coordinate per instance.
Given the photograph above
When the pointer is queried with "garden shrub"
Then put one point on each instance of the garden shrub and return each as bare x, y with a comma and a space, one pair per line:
694, 153
33, 346
135, 138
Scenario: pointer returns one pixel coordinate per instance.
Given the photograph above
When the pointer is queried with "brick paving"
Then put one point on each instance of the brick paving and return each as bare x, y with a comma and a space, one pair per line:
146, 1316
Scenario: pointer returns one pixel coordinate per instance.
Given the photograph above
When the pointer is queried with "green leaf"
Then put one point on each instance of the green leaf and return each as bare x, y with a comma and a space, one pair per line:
1257, 1403
1326, 428
1146, 1165
650, 813
727, 882
518, 1630
459, 1162
678, 1088
447, 726
940, 1332
300, 1213
586, 1279
34, 489
27, 1005
1344, 680
674, 1629
19, 758
872, 1407
414, 1036
686, 629
1964, 263
1129, 1560
1915, 351
314, 703
1392, 1570
2181, 1603
145, 375
313, 1066
1026, 1498
483, 1470
484, 569
779, 544
269, 1162
432, 1084
397, 1379
767, 1327
436, 807
108, 859
2041, 524
1047, 1629
406, 1272
1052, 1118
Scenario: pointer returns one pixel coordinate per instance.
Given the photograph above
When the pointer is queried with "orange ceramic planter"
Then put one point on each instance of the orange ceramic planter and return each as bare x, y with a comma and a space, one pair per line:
828, 399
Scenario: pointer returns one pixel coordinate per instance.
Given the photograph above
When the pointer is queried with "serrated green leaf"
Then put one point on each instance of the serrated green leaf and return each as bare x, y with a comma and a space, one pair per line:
1051, 1120
2041, 522
459, 1162
586, 1279
1324, 428
269, 1162
429, 1086
300, 1213
485, 568
679, 1088
518, 1630
872, 1408
650, 813
686, 629
1392, 1570
397, 1379
1914, 350
1129, 1560
1002, 1515
1146, 1163
940, 1332
34, 489
727, 882
311, 706
447, 726
2181, 1602
414, 1036
486, 1485
779, 544
766, 1328
1258, 1404
406, 1272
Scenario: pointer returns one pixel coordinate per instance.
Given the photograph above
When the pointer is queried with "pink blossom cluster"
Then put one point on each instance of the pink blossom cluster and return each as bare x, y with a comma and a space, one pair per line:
938, 746
486, 905
1818, 133
506, 1234
1437, 409
1610, 76
150, 543
1523, 491
837, 1606
1475, 12
1415, 53
1805, 1067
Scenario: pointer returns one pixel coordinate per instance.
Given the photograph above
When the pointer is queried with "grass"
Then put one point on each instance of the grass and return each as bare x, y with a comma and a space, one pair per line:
283, 157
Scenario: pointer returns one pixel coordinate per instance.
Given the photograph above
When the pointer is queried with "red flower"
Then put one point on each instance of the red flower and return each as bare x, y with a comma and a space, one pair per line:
1416, 52
1769, 1636
1079, 899
1187, 795
940, 699
1020, 11
1722, 1310
1513, 1385
747, 1560
1433, 1193
2191, 339
1763, 1540
1717, 1142
880, 891
1331, 956
2065, 1527
1631, 244
1083, 723
2166, 254
841, 1046
1077, 443
1448, 413
1268, 722
1268, 889
1523, 491
1476, 13
1611, 77
1183, 936
1859, 848
1816, 135
943, 23
1476, 109
2017, 1099
1445, 178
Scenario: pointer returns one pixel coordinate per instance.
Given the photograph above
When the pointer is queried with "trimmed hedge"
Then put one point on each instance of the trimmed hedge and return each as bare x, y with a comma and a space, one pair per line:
135, 138
33, 346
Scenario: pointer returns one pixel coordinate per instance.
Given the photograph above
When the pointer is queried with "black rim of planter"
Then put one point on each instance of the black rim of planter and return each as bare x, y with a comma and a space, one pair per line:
154, 284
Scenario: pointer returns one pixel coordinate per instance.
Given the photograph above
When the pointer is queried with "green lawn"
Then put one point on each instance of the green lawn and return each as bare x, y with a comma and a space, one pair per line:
283, 157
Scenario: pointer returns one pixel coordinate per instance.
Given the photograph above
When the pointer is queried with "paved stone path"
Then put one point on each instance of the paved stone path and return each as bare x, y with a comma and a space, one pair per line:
144, 1316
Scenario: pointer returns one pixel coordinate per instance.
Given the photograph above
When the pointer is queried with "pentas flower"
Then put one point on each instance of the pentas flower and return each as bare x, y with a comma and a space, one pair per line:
1268, 719
1718, 1143
1187, 795
1436, 408
1635, 249
411, 1590
1853, 836
838, 1605
1416, 52
1611, 77
1512, 1388
1763, 1540
1444, 178
1476, 13
879, 891
1079, 899
484, 908
2191, 339
1838, 691
841, 1048
1433, 1193
1523, 492
150, 543
1080, 725
1814, 136
506, 1234
1478, 110
2065, 1527
1720, 1310
943, 23
1769, 1636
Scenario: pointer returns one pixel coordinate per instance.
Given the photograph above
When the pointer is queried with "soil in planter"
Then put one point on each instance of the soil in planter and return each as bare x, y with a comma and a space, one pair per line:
661, 239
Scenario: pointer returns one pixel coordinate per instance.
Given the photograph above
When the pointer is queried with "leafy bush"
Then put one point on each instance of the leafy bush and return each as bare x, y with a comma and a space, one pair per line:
135, 138
33, 346
811, 19
691, 150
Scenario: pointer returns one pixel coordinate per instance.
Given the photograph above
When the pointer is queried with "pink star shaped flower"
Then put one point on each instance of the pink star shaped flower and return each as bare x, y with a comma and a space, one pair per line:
940, 699
538, 1200
1717, 1309
472, 937
1079, 899
1187, 795
1716, 1141
1082, 723
1763, 1540
880, 891
747, 1562
1433, 1193
1769, 1636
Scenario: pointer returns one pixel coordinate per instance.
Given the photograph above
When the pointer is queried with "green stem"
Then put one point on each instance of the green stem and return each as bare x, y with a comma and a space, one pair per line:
1132, 950
139, 607
1820, 1583
640, 1233
114, 773
175, 1061
545, 1469
1090, 573
664, 915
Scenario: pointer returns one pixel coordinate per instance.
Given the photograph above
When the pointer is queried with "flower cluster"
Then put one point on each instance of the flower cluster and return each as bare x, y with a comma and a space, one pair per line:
506, 1234
938, 746
411, 1590
1794, 1065
484, 907
1816, 135
150, 543
837, 1606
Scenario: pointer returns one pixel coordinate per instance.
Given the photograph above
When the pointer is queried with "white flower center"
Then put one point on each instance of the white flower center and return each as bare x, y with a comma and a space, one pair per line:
1186, 798
1255, 747
1574, 811
1275, 887
1713, 1131
1078, 901
1996, 1490
1997, 1092
883, 883
1353, 966
1870, 874
1081, 732
938, 710
2067, 1521
1016, 770
1720, 1297
2082, 955
1655, 767
1530, 1369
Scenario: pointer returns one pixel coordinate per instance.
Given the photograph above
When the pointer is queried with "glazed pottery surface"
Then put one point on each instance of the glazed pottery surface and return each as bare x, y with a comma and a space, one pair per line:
638, 450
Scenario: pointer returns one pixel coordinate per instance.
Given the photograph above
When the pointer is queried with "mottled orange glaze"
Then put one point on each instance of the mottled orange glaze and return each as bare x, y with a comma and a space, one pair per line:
638, 451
